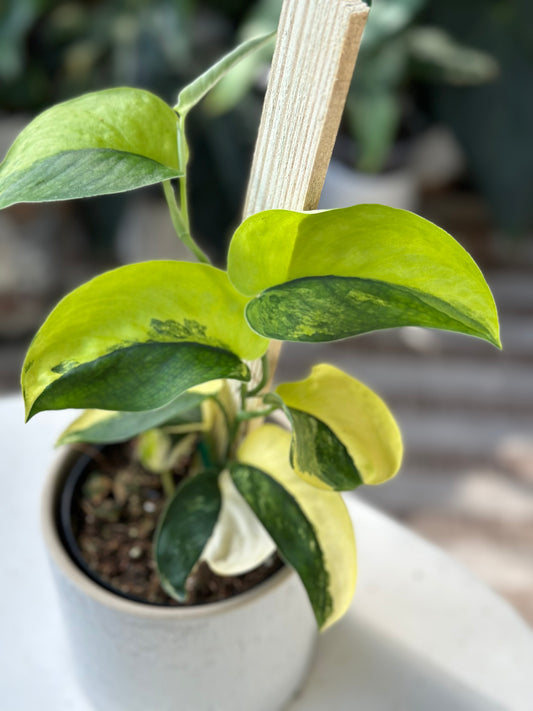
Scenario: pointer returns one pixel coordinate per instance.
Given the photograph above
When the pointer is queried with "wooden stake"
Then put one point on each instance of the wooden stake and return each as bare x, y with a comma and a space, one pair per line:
317, 45
316, 49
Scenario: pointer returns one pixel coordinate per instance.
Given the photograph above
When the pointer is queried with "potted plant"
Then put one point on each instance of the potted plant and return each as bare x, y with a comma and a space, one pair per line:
176, 356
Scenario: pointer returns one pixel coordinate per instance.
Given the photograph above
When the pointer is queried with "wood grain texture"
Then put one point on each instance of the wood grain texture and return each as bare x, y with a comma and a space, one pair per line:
313, 63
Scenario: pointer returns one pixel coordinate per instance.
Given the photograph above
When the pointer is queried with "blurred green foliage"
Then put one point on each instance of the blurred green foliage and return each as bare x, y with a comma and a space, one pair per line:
55, 49
493, 123
398, 49
52, 49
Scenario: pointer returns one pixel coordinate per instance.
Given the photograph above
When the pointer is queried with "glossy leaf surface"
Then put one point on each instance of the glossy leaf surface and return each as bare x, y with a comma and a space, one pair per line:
184, 529
343, 433
136, 337
327, 275
312, 528
104, 142
194, 92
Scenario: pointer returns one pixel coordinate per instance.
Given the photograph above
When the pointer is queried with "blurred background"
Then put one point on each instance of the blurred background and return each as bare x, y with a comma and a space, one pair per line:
438, 120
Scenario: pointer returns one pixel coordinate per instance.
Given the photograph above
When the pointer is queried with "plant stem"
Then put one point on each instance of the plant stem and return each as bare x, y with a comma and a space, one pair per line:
168, 483
244, 415
182, 429
183, 158
223, 411
244, 395
180, 225
264, 377
204, 453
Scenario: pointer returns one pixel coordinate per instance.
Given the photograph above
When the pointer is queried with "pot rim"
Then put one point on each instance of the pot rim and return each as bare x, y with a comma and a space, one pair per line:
116, 602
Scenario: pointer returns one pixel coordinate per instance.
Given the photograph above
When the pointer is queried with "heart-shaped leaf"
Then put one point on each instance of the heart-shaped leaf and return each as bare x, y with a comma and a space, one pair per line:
328, 275
104, 142
343, 433
184, 529
136, 337
311, 528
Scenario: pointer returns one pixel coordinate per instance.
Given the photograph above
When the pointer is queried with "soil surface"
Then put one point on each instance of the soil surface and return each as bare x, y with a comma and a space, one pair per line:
114, 519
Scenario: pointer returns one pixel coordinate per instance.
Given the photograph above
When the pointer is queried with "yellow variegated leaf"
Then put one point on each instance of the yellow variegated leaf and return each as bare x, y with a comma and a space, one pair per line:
136, 337
323, 276
267, 449
343, 433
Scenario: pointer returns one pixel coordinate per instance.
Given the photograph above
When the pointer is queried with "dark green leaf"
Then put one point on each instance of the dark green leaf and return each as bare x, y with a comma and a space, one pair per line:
136, 337
344, 434
317, 450
139, 377
184, 530
292, 532
361, 268
329, 308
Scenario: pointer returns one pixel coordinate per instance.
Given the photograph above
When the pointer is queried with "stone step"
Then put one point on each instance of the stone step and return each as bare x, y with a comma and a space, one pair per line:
456, 434
516, 337
480, 494
428, 382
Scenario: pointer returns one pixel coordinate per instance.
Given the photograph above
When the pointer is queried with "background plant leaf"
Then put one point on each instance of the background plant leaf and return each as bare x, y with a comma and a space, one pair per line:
337, 273
343, 434
320, 545
184, 529
136, 337
104, 142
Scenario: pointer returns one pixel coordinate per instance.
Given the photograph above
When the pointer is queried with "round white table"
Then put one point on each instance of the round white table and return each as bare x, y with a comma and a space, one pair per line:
422, 633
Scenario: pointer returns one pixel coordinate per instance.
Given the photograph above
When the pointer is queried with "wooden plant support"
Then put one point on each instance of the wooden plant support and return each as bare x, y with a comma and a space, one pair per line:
317, 45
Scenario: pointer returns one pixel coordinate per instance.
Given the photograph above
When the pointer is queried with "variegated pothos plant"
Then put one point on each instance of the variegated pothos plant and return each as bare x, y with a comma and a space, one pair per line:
150, 348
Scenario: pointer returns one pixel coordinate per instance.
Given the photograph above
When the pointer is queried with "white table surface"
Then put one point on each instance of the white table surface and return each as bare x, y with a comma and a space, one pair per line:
422, 633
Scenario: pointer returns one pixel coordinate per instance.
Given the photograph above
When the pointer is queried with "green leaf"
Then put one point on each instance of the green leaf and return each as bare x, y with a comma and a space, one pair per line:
343, 433
311, 528
184, 529
317, 453
330, 308
105, 142
327, 275
292, 532
101, 426
194, 92
373, 117
436, 56
388, 19
136, 337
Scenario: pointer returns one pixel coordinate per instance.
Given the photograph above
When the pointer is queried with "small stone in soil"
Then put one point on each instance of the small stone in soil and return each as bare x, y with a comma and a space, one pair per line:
135, 552
124, 560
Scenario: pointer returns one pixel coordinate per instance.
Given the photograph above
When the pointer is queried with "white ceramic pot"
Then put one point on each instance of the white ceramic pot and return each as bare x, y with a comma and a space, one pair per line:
248, 653
345, 187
